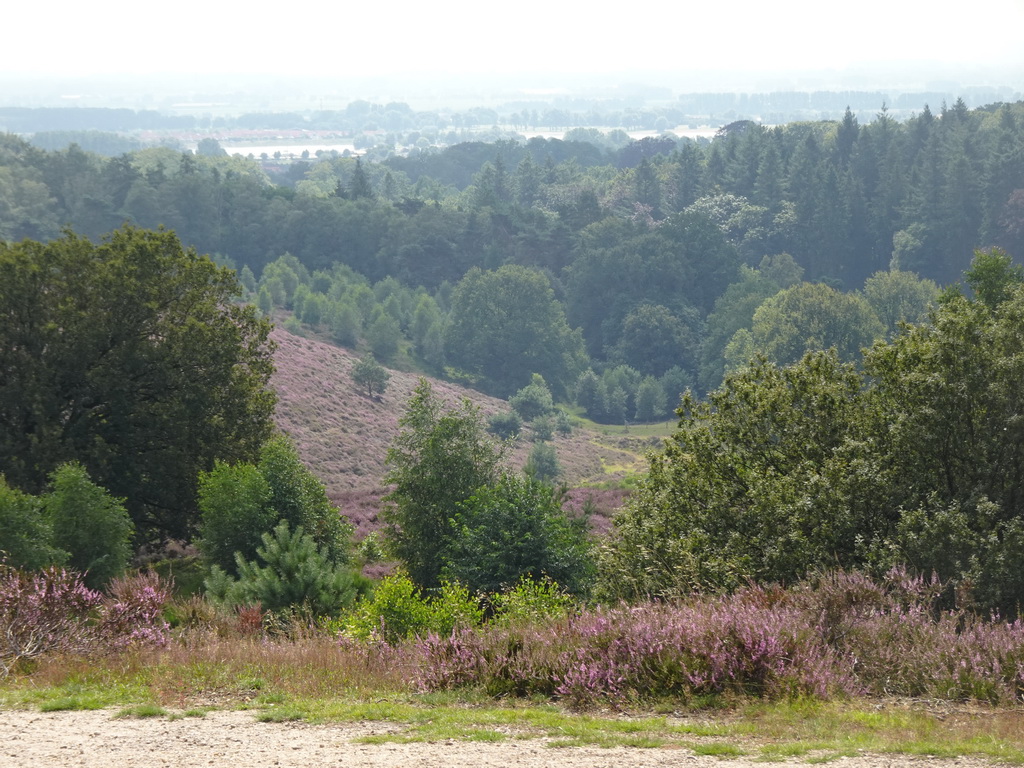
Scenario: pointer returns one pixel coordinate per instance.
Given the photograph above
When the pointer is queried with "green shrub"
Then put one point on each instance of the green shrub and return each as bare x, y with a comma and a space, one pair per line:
296, 574
543, 429
25, 532
514, 529
399, 610
371, 550
563, 422
300, 499
89, 523
531, 600
533, 400
235, 511
396, 611
505, 425
454, 607
542, 463
241, 502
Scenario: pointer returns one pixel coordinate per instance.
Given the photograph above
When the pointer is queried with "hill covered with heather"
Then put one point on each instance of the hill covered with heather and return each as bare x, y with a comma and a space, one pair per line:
343, 435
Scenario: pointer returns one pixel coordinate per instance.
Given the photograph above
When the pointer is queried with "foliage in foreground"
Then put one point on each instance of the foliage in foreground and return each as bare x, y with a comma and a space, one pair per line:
837, 636
399, 610
785, 471
53, 611
843, 635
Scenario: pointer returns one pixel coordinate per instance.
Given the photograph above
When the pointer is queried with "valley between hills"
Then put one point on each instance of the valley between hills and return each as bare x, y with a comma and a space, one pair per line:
343, 435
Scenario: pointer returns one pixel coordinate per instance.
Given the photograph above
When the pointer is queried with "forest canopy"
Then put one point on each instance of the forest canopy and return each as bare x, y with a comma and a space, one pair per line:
131, 357
664, 243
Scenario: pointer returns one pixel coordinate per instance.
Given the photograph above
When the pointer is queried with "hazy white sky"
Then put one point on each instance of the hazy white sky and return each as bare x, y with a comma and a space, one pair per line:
71, 37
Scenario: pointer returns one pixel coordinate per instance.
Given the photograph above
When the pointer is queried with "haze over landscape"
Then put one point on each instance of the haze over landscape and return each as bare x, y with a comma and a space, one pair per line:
426, 55
653, 357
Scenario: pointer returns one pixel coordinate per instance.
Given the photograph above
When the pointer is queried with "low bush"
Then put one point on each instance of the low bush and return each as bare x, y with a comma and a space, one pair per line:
531, 600
399, 610
842, 635
505, 425
654, 650
52, 611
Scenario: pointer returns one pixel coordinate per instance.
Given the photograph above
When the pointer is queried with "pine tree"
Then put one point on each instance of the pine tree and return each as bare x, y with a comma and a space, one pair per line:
296, 574
359, 187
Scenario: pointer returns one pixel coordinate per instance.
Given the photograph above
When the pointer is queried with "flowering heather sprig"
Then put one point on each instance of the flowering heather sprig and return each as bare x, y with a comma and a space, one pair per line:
587, 680
133, 612
452, 661
53, 611
43, 612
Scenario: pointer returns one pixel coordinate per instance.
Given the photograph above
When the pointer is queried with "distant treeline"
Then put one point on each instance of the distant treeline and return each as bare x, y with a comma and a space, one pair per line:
655, 111
660, 255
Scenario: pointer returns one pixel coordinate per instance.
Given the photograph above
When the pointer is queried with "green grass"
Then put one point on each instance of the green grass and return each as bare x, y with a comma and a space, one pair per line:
68, 703
302, 683
198, 712
78, 692
657, 429
283, 714
825, 731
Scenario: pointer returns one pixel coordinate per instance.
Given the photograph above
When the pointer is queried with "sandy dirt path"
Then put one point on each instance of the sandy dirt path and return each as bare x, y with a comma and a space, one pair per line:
95, 739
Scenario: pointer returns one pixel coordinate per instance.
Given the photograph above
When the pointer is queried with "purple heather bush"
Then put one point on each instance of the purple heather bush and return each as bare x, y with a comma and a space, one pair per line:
896, 642
132, 613
52, 611
843, 635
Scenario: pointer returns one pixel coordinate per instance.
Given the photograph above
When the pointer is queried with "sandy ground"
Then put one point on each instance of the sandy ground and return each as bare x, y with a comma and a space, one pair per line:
228, 739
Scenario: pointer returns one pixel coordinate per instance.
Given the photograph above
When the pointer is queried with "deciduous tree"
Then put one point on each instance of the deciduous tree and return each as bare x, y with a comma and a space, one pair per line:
506, 325
89, 523
131, 357
441, 458
370, 375
770, 478
516, 529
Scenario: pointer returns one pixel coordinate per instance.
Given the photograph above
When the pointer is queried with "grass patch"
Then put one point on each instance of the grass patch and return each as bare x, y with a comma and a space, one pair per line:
142, 711
483, 734
71, 703
320, 681
81, 692
285, 714
197, 712
835, 729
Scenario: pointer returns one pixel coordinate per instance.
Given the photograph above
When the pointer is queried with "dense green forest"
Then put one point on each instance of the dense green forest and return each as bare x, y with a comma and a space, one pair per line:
659, 262
840, 408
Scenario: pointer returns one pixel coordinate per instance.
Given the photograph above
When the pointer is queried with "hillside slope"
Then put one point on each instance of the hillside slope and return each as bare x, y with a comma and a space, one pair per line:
343, 435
